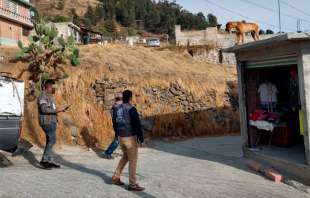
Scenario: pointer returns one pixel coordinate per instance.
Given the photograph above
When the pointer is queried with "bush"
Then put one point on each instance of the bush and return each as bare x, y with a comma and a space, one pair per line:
60, 4
61, 19
132, 32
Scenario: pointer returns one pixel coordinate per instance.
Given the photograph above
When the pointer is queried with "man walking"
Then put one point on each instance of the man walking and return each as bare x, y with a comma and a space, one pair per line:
128, 127
113, 146
48, 121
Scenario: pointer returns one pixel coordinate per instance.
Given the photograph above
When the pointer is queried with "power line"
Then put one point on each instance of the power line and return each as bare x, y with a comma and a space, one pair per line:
239, 14
275, 11
280, 25
298, 9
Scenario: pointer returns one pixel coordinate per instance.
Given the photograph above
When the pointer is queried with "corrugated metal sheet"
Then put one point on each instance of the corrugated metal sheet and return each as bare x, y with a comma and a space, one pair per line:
276, 62
304, 36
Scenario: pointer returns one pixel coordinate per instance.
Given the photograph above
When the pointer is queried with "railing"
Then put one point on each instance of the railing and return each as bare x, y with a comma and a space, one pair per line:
15, 17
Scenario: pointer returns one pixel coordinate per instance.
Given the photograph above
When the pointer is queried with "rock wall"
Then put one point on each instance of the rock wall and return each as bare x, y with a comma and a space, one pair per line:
214, 55
107, 90
179, 112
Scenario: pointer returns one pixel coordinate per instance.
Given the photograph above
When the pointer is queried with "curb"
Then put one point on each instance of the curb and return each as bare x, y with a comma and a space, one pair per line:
267, 172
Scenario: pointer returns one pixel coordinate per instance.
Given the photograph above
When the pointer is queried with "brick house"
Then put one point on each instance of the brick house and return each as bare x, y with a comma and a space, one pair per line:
15, 22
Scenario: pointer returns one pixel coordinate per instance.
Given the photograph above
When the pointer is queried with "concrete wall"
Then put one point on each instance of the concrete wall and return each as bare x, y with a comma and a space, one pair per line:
65, 31
211, 37
304, 81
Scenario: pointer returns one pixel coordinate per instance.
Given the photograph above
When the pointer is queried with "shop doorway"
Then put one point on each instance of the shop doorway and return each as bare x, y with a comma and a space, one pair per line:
274, 112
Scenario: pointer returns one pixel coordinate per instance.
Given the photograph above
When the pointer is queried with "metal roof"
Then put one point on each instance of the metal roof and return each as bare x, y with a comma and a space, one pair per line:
270, 41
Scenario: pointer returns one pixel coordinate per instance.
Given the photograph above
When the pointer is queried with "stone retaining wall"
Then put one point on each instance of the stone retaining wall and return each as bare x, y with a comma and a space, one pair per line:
182, 104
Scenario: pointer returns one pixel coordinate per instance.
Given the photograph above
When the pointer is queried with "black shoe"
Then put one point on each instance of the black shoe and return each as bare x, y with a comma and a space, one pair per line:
136, 187
46, 165
54, 165
105, 156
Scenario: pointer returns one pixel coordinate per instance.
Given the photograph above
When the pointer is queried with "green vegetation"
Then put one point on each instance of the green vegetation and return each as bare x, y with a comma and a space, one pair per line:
157, 18
60, 4
61, 19
46, 52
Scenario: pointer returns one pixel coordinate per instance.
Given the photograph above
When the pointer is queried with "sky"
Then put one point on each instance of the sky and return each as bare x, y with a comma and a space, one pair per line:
263, 12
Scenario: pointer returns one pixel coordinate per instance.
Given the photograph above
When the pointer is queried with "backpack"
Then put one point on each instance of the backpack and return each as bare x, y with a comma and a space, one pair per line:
122, 118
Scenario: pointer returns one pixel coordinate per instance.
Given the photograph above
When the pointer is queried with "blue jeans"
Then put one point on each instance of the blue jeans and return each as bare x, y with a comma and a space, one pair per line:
113, 146
50, 133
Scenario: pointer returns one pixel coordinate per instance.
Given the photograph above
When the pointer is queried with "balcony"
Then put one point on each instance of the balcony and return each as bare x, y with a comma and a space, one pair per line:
15, 17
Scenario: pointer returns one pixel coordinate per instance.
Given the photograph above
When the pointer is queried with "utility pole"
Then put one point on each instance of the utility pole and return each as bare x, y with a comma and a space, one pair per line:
299, 26
279, 6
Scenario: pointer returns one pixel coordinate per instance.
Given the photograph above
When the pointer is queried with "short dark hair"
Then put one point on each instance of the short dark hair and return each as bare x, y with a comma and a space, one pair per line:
118, 99
127, 94
48, 82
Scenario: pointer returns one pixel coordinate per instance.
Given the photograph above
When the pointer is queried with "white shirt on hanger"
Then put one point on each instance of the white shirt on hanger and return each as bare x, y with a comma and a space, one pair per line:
268, 92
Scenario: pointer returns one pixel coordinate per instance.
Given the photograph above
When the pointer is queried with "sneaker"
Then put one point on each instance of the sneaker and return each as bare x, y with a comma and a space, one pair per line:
135, 187
45, 165
54, 165
117, 181
105, 156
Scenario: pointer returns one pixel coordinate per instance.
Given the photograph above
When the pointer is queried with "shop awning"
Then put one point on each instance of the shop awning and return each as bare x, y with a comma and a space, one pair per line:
275, 62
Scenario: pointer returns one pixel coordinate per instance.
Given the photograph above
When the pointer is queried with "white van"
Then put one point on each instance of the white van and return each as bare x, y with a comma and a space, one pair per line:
11, 111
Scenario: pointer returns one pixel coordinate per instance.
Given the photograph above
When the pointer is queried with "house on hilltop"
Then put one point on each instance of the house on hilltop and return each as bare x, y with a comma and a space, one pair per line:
68, 29
15, 21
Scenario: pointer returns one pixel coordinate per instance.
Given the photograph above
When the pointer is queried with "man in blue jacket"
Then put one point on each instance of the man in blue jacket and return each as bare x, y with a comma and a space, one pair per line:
113, 146
128, 127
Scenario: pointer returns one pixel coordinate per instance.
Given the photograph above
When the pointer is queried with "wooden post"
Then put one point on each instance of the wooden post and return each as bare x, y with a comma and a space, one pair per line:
304, 87
242, 104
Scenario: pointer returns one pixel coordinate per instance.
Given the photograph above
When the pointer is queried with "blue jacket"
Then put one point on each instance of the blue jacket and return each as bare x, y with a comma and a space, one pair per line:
132, 125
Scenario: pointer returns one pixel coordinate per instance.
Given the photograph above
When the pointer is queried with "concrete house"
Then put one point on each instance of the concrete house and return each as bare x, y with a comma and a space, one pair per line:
68, 29
15, 23
274, 95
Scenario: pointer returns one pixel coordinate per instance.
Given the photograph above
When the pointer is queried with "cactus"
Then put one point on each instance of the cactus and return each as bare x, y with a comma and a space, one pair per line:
46, 52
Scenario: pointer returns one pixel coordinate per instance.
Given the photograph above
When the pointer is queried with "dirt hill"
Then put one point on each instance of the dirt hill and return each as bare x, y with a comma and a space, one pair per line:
51, 8
176, 96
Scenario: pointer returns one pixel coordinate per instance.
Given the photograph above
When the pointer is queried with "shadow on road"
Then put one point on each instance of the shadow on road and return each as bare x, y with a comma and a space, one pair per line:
31, 158
91, 142
106, 178
224, 150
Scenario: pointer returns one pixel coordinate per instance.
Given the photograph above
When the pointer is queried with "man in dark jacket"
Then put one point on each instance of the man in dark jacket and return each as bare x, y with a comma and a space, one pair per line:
128, 127
48, 121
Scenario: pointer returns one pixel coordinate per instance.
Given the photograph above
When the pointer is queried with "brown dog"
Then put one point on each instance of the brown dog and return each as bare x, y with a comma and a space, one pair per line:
242, 28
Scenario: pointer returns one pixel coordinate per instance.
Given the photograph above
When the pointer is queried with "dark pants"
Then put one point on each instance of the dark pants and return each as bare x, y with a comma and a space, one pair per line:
113, 146
50, 133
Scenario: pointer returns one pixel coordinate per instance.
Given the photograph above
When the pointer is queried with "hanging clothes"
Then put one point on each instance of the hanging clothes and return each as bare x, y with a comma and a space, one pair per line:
268, 96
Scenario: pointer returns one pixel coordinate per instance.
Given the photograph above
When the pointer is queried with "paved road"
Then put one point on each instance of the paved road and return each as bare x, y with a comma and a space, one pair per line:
198, 168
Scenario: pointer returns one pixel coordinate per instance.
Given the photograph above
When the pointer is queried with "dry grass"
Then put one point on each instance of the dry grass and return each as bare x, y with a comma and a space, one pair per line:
142, 67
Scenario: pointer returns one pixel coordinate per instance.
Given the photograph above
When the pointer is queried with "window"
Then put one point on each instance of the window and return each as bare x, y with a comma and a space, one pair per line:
9, 5
26, 32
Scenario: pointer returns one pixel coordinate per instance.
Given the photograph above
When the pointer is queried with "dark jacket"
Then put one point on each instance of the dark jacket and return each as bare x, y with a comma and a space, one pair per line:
113, 111
127, 123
